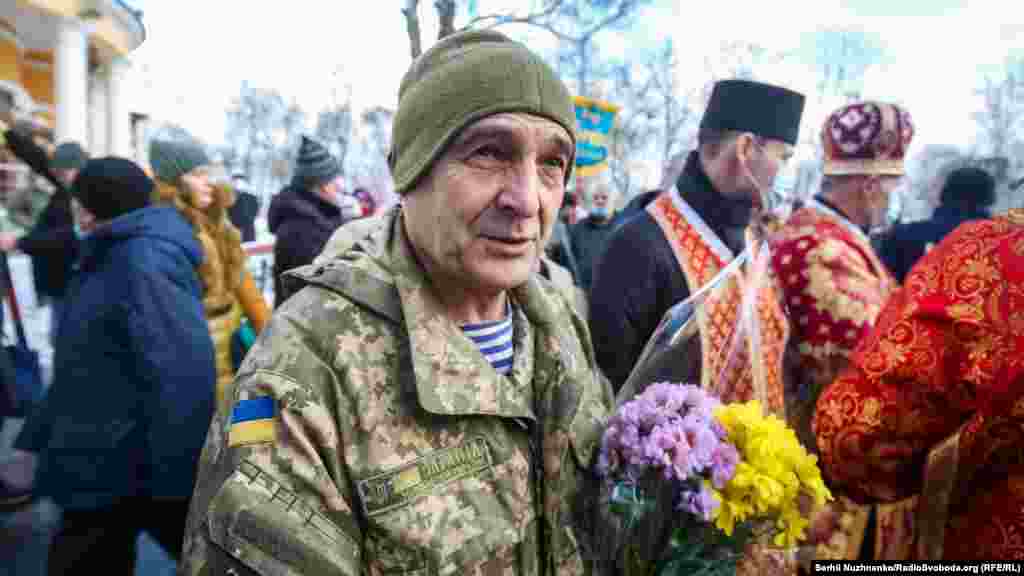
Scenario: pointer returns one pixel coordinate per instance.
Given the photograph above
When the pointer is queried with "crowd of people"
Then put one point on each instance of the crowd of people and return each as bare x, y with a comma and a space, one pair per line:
145, 277
427, 390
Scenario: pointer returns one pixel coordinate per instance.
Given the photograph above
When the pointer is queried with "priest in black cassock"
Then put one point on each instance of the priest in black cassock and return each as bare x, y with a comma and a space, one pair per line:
690, 233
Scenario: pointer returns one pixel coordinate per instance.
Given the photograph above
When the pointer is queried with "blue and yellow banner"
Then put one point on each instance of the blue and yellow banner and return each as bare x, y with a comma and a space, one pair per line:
594, 122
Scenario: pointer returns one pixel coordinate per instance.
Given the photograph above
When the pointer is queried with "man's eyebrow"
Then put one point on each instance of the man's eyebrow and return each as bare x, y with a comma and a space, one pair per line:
482, 133
563, 144
494, 132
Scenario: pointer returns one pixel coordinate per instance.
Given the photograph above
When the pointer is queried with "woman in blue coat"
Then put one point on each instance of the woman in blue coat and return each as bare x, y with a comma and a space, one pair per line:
122, 428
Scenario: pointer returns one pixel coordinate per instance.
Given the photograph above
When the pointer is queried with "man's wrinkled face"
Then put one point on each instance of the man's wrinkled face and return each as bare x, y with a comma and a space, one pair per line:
482, 215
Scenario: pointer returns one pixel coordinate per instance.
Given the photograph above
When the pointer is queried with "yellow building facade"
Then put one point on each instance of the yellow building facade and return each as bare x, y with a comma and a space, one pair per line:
64, 62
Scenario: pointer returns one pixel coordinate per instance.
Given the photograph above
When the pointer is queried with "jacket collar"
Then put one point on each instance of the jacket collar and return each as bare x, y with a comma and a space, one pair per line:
951, 213
452, 376
371, 262
319, 204
727, 218
837, 213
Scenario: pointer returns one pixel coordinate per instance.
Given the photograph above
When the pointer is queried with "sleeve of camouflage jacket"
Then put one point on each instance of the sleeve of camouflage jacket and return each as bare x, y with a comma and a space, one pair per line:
273, 496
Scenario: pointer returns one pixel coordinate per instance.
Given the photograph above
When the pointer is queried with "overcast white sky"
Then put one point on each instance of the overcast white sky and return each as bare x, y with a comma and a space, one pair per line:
199, 51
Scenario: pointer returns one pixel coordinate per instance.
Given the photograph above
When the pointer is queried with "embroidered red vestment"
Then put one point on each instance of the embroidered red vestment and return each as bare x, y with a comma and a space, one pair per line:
833, 286
933, 404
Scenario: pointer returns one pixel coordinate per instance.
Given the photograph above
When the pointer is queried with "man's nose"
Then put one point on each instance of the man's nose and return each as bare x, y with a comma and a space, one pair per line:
520, 190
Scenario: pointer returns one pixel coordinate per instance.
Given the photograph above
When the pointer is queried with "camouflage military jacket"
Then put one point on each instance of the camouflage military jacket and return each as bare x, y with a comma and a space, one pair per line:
369, 436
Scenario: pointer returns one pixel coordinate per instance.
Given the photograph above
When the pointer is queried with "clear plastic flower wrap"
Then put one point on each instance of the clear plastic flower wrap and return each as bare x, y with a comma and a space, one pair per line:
685, 484
688, 483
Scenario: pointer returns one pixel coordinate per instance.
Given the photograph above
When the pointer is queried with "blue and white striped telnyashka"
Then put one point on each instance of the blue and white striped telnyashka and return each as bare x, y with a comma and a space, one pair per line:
494, 340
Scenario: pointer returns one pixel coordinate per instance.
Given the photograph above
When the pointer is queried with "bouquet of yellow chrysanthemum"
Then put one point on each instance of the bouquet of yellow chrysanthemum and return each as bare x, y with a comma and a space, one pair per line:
693, 482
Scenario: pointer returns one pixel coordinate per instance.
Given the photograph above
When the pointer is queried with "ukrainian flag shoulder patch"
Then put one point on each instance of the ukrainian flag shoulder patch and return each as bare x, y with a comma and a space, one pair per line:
252, 422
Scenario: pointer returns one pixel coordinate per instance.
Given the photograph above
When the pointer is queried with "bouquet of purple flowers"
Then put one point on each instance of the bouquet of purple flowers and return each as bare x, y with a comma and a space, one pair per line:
672, 429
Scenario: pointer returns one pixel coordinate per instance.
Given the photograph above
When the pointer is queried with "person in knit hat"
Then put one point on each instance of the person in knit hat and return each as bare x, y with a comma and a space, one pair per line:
426, 402
183, 180
246, 208
303, 216
122, 427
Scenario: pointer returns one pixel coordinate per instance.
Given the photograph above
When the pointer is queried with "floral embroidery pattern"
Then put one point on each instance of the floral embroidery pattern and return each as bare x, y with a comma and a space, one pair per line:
947, 349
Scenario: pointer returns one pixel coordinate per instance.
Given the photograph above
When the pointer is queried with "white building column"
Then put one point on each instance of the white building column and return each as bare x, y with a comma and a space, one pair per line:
71, 78
99, 140
119, 122
140, 131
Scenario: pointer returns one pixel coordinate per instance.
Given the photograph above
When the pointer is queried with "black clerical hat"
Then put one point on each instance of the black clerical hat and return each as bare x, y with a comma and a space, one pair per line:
745, 106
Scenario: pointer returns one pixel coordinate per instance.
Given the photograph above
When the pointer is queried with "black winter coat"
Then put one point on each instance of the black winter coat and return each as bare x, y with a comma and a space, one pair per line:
905, 244
588, 238
243, 214
638, 279
302, 223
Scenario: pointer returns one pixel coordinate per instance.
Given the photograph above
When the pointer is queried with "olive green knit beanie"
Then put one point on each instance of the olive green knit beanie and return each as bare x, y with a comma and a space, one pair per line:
461, 79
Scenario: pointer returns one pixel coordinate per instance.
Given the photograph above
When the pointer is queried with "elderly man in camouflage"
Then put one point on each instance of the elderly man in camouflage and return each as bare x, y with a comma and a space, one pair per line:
427, 403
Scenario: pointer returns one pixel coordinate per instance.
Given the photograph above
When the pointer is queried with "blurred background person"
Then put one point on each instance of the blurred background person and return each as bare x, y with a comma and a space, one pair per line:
588, 236
305, 214
51, 240
183, 180
245, 209
120, 433
366, 201
966, 195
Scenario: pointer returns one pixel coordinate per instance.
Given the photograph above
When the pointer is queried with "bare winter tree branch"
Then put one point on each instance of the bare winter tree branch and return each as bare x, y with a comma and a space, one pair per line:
675, 108
260, 124
625, 8
412, 27
536, 18
1002, 112
569, 12
446, 17
634, 124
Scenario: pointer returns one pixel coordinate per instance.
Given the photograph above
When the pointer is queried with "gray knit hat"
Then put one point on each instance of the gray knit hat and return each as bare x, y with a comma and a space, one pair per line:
461, 79
69, 156
172, 159
314, 165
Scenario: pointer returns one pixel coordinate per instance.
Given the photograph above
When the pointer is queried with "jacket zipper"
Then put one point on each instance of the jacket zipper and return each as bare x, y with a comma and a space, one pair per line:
536, 484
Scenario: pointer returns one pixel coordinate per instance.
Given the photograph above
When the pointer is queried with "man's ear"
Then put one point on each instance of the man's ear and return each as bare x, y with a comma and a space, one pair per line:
743, 147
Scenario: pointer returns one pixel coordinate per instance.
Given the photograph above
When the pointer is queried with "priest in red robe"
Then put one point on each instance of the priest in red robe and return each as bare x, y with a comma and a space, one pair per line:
833, 287
932, 404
